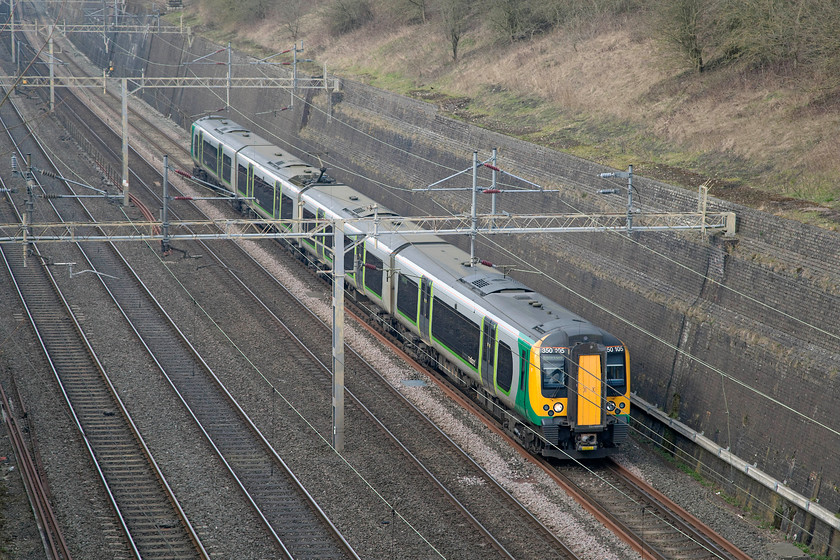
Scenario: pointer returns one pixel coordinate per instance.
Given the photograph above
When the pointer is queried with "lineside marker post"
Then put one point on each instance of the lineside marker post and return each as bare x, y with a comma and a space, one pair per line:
125, 141
164, 213
15, 55
338, 336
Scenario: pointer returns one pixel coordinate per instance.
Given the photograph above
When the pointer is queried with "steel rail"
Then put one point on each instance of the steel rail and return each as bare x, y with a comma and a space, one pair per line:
313, 504
232, 401
49, 528
596, 228
404, 401
336, 534
118, 510
684, 520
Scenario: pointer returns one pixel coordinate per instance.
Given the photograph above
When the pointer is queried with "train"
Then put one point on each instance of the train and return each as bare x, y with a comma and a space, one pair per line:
558, 384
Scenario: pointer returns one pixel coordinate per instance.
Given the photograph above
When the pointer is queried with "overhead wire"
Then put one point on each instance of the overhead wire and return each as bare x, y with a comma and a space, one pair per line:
354, 469
722, 374
267, 126
554, 280
440, 205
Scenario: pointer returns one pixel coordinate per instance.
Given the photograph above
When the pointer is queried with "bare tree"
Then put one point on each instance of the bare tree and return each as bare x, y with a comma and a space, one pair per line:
291, 12
453, 14
683, 27
516, 20
344, 16
414, 10
782, 32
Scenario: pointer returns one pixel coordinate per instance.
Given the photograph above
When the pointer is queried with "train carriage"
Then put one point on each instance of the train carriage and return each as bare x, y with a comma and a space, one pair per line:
557, 382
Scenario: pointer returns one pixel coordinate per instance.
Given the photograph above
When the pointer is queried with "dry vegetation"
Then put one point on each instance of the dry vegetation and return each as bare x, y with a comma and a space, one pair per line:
607, 88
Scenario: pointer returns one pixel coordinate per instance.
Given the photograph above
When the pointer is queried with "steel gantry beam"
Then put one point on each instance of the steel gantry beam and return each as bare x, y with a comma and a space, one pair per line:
487, 224
66, 28
140, 83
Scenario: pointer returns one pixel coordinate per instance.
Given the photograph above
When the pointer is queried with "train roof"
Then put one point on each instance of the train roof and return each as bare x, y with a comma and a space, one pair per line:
229, 132
350, 204
532, 313
514, 303
254, 147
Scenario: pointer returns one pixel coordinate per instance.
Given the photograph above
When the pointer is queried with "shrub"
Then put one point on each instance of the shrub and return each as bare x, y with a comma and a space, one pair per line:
343, 16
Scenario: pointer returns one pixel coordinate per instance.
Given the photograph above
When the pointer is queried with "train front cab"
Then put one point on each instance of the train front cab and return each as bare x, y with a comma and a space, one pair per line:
579, 398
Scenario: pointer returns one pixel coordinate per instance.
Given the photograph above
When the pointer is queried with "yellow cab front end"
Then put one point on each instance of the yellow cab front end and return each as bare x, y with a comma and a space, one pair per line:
578, 391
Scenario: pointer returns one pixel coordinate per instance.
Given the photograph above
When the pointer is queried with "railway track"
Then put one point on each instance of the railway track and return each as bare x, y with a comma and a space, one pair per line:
661, 529
146, 510
51, 534
445, 479
652, 524
651, 542
298, 526
480, 508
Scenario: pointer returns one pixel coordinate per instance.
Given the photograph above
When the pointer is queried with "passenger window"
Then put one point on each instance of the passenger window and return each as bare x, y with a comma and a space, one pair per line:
616, 374
373, 273
456, 332
553, 368
407, 298
210, 153
264, 194
287, 207
504, 367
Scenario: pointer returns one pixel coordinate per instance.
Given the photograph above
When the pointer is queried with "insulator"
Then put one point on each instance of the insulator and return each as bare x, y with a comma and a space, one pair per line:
370, 266
491, 191
183, 173
493, 167
487, 263
14, 163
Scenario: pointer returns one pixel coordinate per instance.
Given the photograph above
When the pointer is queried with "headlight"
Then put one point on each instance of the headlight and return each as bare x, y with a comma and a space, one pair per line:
610, 406
558, 407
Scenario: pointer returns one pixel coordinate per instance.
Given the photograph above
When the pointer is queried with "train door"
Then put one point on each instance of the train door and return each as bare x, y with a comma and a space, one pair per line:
243, 177
352, 258
425, 308
250, 192
586, 404
198, 143
488, 352
324, 242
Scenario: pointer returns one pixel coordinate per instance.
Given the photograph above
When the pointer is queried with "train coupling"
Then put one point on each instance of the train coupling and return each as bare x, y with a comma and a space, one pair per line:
586, 442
